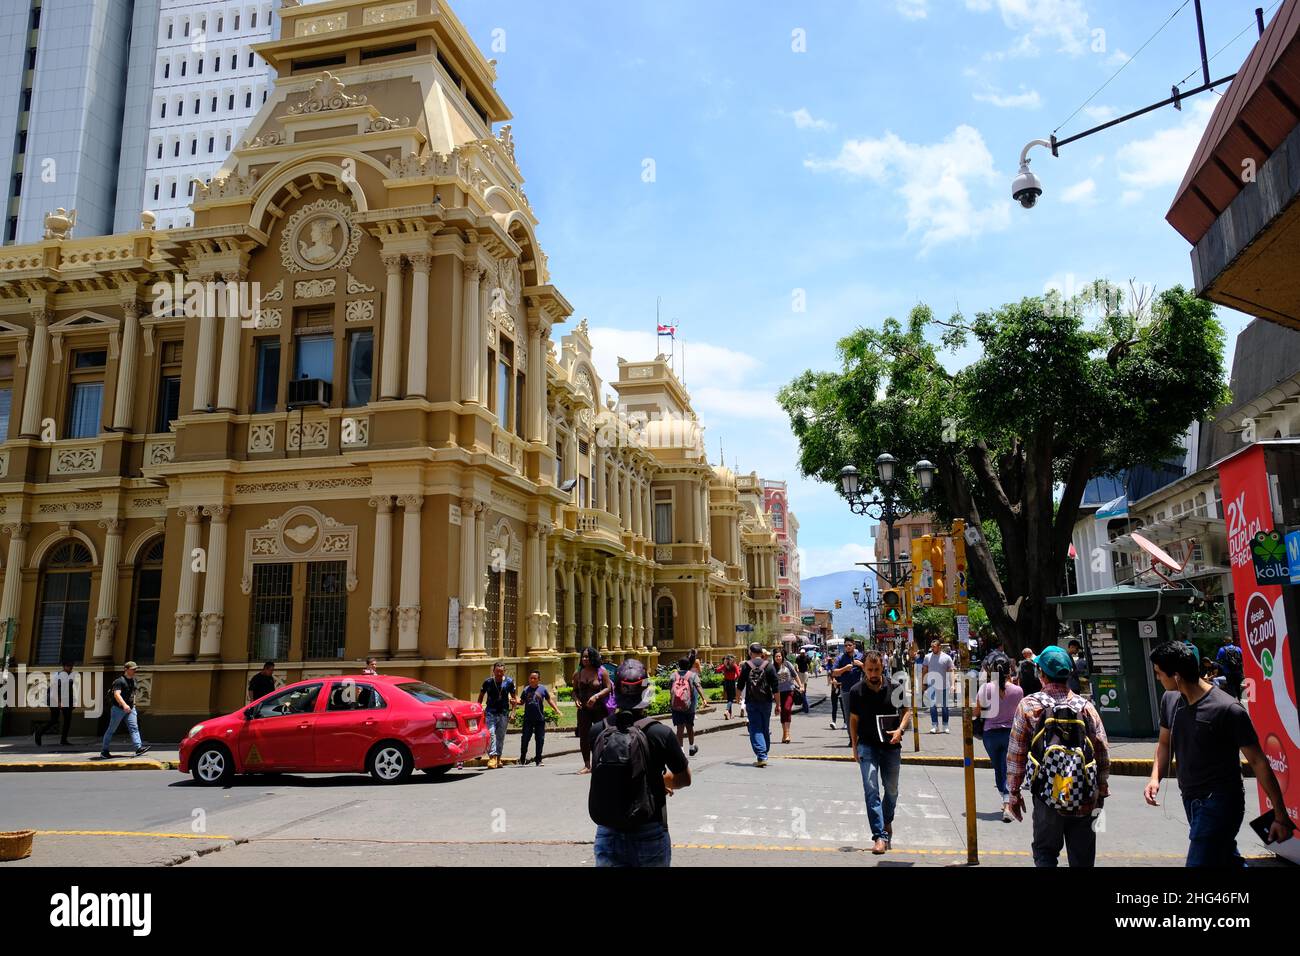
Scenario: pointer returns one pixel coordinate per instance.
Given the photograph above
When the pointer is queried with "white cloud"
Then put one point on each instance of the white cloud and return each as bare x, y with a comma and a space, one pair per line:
936, 182
1130, 196
805, 120
1118, 58
1025, 99
1063, 24
815, 562
913, 9
1100, 113
1161, 159
1081, 192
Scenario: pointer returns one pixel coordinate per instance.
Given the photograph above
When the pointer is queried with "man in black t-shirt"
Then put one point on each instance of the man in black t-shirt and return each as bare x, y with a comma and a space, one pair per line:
877, 721
536, 697
121, 703
758, 688
1205, 729
667, 770
499, 692
263, 682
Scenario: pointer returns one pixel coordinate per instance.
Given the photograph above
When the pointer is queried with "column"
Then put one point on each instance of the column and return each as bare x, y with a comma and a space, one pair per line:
590, 636
207, 357
106, 611
37, 364
472, 335
616, 612
123, 400
641, 615
408, 602
214, 582
535, 562
629, 635
231, 328
381, 582
468, 584
189, 585
17, 531
390, 370
481, 581
536, 405
417, 354
602, 606
638, 512
570, 636
648, 510
625, 500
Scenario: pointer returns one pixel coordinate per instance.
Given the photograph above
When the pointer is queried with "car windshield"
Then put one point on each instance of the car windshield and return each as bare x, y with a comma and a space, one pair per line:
425, 693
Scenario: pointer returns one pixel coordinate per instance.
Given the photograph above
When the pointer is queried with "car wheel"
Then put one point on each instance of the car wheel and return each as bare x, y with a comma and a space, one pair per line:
438, 771
212, 766
391, 762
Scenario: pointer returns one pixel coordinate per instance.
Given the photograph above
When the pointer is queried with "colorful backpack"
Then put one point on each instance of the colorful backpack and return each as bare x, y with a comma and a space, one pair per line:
1063, 769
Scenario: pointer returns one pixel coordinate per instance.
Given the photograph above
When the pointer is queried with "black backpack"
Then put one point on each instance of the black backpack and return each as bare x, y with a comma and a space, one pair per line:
1029, 682
620, 797
757, 685
1231, 662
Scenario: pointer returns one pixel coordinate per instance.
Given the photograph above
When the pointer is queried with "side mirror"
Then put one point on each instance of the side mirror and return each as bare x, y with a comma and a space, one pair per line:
249, 712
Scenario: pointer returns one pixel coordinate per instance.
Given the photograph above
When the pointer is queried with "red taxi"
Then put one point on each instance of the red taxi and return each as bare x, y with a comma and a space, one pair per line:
382, 725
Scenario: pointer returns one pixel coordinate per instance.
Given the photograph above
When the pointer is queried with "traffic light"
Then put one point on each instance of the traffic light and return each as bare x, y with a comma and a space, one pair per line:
891, 603
838, 605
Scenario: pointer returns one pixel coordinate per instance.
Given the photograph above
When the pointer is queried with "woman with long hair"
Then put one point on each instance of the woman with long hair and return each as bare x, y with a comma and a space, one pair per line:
730, 672
591, 685
787, 681
997, 702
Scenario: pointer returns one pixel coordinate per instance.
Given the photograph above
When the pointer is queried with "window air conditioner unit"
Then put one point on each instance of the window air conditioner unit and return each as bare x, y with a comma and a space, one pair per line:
309, 393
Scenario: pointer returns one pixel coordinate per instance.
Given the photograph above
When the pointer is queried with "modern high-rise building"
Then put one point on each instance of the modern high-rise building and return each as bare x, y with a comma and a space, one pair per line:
108, 107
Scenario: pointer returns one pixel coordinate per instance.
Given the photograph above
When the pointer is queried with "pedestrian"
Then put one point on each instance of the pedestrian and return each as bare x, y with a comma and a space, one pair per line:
877, 720
940, 665
591, 687
758, 685
805, 665
637, 764
1204, 729
121, 701
372, 667
997, 702
1027, 672
1080, 675
1061, 735
263, 682
702, 704
1229, 660
788, 682
535, 698
501, 701
730, 672
61, 691
847, 672
684, 695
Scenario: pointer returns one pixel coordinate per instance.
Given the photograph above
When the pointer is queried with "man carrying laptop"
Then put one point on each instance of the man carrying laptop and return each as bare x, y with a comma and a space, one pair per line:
877, 720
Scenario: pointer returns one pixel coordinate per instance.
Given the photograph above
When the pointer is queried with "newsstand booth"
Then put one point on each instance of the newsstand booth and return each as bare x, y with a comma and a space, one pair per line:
1261, 500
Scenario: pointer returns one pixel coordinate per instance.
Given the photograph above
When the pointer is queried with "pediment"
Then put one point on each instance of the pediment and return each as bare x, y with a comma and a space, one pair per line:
87, 320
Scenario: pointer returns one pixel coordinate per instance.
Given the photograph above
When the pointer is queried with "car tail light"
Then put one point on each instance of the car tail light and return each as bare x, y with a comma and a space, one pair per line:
446, 722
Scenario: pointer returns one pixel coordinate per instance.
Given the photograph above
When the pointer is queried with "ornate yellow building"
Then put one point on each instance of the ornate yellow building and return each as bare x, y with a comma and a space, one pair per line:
330, 419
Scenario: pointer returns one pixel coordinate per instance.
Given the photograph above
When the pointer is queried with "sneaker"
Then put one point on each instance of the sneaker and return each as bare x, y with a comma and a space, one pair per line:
105, 756
934, 730
945, 728
833, 726
1006, 814
694, 750
143, 750
538, 763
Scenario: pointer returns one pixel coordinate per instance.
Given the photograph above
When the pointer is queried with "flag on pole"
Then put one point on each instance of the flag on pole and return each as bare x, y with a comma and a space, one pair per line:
668, 330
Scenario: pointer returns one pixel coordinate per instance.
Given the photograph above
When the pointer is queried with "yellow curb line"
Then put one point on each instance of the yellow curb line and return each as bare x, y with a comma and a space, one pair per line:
136, 833
1119, 766
34, 766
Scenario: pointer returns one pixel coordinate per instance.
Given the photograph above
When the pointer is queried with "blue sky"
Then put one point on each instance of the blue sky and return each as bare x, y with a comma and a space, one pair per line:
860, 165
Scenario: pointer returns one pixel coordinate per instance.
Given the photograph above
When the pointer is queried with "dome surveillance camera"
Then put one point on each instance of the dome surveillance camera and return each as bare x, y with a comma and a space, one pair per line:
1026, 188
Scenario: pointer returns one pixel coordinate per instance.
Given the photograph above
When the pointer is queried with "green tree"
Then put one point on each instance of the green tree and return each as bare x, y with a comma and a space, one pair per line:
1060, 391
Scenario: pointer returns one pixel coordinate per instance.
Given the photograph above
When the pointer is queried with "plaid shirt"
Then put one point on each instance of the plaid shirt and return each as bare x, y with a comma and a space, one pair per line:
1026, 720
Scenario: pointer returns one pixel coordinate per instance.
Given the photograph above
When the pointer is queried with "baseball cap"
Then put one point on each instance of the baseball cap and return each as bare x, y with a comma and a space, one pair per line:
756, 648
629, 686
1055, 663
130, 666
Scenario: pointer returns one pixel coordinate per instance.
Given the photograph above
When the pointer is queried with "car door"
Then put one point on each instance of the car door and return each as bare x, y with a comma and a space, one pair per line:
281, 733
354, 718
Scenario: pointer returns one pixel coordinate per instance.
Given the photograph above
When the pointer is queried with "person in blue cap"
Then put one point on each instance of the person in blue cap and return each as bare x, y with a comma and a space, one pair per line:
1065, 795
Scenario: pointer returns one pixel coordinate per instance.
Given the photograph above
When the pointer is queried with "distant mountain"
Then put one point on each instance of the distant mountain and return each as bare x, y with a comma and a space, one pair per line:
823, 591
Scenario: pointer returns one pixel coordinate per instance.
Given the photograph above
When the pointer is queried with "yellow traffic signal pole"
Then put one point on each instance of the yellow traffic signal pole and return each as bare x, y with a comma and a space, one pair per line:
958, 593
912, 666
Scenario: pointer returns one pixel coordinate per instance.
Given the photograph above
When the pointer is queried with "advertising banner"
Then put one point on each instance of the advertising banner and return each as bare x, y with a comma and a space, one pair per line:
1261, 612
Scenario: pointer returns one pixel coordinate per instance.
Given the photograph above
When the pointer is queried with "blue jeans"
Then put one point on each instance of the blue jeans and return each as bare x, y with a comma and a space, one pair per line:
648, 845
935, 695
759, 715
496, 724
115, 717
880, 767
1213, 822
996, 744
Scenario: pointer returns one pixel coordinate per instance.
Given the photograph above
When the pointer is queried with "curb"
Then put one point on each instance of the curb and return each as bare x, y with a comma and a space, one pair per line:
1119, 767
44, 766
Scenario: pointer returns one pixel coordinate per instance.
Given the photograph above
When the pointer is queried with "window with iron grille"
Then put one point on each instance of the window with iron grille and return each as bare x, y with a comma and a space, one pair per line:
502, 608
65, 605
144, 609
664, 622
327, 610
272, 612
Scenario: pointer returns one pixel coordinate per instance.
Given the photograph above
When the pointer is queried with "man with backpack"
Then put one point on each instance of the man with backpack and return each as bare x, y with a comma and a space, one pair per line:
1058, 741
1229, 661
636, 764
685, 692
1027, 672
759, 686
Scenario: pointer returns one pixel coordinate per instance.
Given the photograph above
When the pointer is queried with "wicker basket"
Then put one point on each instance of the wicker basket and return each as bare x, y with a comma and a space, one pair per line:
16, 844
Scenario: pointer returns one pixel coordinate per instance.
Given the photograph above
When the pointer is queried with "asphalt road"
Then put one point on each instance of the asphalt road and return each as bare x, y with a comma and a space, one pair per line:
794, 812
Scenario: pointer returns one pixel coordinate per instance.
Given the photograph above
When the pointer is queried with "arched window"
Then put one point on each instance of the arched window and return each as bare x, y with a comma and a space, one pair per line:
664, 621
143, 636
64, 605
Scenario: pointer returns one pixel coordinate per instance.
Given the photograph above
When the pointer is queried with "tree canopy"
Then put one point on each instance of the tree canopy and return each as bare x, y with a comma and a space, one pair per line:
1060, 391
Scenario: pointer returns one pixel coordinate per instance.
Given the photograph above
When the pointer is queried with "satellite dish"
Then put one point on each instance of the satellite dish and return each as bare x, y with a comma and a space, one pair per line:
1158, 556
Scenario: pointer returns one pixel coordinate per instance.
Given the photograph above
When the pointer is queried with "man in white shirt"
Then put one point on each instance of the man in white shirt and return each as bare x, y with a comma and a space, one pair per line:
940, 665
61, 703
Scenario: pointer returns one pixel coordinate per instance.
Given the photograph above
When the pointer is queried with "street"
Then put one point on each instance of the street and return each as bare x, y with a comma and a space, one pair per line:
798, 812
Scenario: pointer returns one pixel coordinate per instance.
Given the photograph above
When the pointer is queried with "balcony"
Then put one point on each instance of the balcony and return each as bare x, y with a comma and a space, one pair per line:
595, 525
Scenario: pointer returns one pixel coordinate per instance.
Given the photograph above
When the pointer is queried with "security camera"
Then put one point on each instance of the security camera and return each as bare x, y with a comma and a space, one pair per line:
1026, 188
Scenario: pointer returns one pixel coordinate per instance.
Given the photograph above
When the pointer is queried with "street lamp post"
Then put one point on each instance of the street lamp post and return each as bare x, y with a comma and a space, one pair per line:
884, 506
